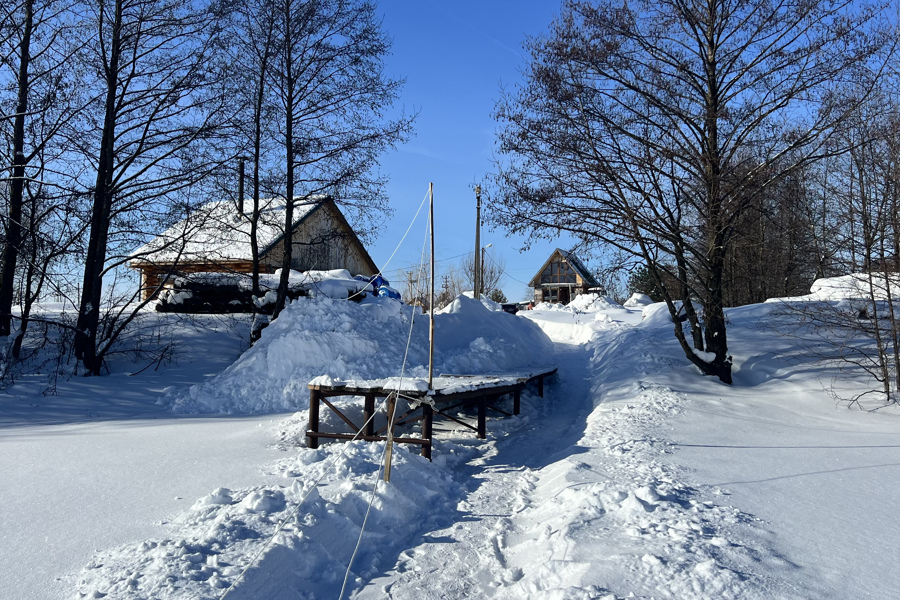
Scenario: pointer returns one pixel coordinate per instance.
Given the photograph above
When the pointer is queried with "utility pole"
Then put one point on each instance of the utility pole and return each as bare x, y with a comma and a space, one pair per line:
431, 300
477, 241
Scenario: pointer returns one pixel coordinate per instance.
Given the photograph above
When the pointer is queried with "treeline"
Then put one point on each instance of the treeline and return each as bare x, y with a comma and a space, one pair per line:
119, 117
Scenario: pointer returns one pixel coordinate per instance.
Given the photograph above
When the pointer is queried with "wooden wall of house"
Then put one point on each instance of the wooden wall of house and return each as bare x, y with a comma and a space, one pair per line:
322, 242
153, 275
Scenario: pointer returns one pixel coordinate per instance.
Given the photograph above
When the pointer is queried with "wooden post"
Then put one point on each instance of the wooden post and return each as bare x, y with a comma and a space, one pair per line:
368, 411
517, 401
427, 410
313, 418
431, 303
427, 421
391, 406
482, 417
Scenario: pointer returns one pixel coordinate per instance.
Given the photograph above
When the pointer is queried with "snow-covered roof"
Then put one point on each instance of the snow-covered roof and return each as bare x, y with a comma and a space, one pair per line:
218, 232
576, 264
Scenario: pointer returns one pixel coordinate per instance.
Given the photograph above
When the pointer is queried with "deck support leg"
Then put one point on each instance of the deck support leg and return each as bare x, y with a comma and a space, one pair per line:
389, 449
541, 386
427, 421
482, 417
313, 441
517, 401
391, 408
368, 411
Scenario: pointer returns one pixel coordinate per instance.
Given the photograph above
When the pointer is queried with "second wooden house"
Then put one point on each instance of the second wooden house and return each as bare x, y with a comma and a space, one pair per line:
562, 277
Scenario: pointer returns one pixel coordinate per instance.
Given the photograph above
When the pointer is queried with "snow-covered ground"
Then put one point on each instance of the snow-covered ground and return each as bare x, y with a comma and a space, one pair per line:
633, 477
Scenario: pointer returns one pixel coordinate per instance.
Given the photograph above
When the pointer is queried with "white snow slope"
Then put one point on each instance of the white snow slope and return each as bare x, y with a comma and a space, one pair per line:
633, 478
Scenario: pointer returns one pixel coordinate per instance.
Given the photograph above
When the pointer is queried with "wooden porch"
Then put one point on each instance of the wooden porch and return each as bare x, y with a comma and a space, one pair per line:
450, 392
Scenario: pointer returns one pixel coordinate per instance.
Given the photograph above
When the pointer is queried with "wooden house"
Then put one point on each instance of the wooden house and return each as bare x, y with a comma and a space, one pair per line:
216, 238
561, 278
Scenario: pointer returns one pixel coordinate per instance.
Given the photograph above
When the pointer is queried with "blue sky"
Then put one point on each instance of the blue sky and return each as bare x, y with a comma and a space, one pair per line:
455, 55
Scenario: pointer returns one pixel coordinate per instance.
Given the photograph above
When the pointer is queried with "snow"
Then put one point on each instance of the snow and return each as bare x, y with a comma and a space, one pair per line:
636, 300
856, 285
633, 477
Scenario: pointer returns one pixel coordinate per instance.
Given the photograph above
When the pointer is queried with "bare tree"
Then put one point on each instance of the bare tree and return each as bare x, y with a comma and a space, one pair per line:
492, 269
331, 95
653, 126
159, 109
254, 49
38, 41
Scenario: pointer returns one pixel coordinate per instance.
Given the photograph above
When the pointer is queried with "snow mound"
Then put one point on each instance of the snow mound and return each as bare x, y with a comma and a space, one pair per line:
487, 302
656, 315
592, 303
856, 285
548, 306
637, 300
581, 303
329, 340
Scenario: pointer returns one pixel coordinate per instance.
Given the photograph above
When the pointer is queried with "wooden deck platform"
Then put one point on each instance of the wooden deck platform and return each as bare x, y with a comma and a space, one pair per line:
450, 391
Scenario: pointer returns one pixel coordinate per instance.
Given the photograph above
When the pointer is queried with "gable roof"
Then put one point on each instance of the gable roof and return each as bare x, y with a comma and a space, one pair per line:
576, 264
217, 232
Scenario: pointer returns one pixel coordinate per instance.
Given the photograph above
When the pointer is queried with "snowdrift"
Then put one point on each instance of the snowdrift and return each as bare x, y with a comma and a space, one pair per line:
346, 340
856, 285
581, 320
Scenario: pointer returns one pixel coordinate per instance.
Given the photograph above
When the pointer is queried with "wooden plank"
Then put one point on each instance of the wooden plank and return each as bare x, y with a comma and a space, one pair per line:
368, 438
477, 393
343, 390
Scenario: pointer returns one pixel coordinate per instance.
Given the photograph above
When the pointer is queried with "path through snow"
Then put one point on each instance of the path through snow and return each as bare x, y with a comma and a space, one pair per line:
472, 557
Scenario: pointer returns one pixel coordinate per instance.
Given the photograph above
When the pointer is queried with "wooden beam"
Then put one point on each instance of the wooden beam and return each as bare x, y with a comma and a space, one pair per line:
482, 417
368, 438
341, 415
427, 421
499, 410
452, 418
368, 412
313, 427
